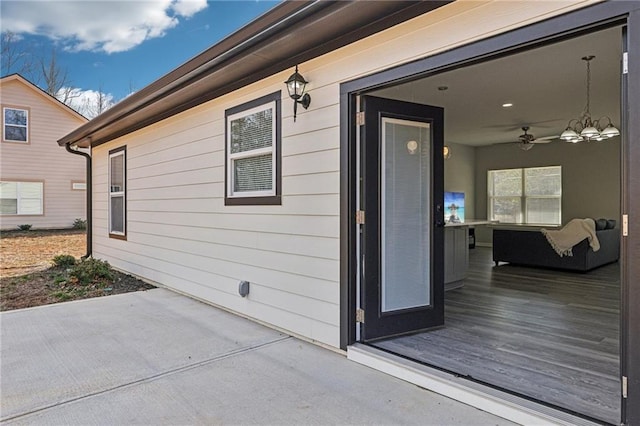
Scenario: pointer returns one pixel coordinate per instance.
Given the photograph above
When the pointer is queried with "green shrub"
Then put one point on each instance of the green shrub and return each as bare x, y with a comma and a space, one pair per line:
25, 227
90, 270
79, 224
64, 260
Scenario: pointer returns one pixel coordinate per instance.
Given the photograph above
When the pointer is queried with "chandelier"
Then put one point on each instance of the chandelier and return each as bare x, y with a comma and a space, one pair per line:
585, 128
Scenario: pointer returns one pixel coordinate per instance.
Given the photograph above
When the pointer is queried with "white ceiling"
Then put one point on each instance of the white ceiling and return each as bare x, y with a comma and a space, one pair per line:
547, 87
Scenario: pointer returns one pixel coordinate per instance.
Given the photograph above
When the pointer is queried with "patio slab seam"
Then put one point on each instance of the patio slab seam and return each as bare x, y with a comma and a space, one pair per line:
151, 378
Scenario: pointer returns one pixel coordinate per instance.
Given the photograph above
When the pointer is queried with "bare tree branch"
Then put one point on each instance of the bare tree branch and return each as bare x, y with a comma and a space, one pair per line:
14, 60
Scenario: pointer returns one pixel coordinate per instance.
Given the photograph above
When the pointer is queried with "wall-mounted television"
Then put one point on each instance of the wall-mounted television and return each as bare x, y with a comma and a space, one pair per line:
454, 207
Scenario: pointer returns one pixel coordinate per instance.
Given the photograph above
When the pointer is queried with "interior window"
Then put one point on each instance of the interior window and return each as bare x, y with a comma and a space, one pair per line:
528, 196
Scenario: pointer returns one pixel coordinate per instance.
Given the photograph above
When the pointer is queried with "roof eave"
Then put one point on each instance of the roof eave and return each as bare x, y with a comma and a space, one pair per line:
290, 33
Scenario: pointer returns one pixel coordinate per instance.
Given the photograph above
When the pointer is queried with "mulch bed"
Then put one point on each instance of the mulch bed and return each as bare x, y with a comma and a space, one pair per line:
29, 277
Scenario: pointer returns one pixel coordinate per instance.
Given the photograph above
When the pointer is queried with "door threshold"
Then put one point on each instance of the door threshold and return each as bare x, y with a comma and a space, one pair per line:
494, 401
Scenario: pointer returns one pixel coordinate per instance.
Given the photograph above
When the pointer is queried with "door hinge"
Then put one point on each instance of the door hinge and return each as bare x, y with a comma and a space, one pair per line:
360, 217
360, 315
360, 118
624, 386
625, 225
625, 63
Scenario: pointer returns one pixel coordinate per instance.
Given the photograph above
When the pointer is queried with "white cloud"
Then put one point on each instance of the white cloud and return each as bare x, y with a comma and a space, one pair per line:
188, 8
97, 25
89, 103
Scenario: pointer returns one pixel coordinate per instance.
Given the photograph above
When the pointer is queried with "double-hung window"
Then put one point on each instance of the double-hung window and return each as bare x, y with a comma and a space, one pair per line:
529, 196
15, 125
117, 192
21, 198
253, 152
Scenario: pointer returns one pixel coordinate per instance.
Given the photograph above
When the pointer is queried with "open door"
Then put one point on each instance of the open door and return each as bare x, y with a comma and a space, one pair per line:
402, 237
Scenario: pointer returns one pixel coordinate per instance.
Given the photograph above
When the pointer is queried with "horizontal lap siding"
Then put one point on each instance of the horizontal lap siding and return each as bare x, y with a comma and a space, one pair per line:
180, 233
43, 160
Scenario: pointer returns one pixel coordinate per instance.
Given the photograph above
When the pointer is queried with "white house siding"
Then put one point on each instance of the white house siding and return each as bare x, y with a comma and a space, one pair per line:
181, 234
42, 159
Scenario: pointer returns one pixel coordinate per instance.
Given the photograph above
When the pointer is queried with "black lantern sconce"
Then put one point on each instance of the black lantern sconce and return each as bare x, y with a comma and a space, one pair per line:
295, 85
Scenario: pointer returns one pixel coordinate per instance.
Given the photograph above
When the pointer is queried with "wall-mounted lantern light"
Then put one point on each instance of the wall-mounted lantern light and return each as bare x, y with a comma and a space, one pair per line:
295, 85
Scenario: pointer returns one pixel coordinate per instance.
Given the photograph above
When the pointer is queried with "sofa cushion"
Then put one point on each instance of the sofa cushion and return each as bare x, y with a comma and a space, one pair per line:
611, 224
601, 224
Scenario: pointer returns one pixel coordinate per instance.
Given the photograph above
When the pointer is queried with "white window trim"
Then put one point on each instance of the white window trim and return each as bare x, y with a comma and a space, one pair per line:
231, 158
120, 194
4, 125
19, 198
522, 216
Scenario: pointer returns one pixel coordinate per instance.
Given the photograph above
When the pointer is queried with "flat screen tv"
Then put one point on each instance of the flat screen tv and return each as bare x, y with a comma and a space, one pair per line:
454, 207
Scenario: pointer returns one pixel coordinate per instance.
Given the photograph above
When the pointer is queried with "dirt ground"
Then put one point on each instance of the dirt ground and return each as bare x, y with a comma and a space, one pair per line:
23, 252
28, 276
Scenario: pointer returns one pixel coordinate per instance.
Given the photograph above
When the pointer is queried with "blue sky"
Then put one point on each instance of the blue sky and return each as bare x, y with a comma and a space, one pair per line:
116, 46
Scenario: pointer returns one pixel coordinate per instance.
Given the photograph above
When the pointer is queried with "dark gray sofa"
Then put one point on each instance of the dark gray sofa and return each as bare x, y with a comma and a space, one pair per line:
531, 248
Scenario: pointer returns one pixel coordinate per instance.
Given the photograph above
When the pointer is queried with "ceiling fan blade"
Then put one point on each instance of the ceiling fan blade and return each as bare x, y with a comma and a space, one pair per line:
513, 126
540, 141
548, 138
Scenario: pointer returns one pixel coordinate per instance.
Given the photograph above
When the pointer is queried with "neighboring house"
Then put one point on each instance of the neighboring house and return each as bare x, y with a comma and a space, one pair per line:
205, 181
41, 184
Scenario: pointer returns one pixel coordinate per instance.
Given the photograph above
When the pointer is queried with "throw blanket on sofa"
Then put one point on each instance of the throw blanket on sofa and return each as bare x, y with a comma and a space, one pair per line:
576, 230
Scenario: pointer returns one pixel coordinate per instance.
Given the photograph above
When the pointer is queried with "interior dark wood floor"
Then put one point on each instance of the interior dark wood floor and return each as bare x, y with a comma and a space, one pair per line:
550, 335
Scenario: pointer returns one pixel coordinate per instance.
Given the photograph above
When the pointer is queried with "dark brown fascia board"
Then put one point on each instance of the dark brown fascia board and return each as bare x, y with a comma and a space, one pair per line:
291, 33
163, 85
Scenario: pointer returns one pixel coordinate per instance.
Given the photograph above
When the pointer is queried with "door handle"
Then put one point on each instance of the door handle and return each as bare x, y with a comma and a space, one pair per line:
439, 216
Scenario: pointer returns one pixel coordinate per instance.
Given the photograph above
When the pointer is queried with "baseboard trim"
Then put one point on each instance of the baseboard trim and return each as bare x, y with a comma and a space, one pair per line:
501, 404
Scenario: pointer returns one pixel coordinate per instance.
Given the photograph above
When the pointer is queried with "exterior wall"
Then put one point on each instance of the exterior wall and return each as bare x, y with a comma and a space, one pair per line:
181, 235
42, 159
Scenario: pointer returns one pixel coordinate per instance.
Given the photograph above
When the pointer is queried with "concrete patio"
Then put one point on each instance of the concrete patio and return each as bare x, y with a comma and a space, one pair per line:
158, 357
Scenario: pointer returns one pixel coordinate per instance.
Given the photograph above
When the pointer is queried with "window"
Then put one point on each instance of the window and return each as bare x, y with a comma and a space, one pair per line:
531, 196
21, 198
117, 192
15, 125
253, 152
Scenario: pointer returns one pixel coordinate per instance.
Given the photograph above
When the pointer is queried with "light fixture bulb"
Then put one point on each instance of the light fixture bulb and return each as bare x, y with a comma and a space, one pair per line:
446, 151
610, 131
412, 147
569, 134
589, 132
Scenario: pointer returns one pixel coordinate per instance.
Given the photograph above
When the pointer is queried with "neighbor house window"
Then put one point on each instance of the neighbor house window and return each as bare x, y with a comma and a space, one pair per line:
117, 192
15, 125
529, 196
253, 152
21, 198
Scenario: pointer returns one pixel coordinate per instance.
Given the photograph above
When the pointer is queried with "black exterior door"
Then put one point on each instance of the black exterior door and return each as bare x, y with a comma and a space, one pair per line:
403, 234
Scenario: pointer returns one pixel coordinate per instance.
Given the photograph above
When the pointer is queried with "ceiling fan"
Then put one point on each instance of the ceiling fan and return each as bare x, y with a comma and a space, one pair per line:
527, 140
